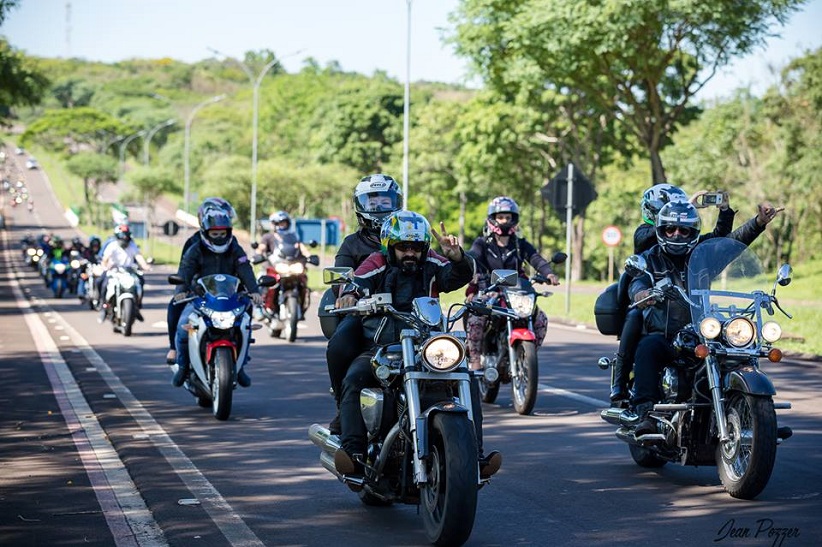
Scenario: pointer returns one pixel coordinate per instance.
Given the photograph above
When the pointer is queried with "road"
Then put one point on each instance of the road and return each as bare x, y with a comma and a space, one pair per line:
98, 448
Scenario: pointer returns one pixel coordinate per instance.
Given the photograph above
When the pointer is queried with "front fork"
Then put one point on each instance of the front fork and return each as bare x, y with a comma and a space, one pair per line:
716, 397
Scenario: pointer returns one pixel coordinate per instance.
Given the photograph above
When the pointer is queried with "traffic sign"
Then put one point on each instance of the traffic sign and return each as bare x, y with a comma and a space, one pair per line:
611, 236
171, 228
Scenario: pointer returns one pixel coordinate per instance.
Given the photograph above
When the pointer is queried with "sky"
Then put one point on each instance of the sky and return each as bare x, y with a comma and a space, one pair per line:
362, 35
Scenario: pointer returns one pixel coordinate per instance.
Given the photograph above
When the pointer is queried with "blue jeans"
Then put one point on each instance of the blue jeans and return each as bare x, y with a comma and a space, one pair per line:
181, 341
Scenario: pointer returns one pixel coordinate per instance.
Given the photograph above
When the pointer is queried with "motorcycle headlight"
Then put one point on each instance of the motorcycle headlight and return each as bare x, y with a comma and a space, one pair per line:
296, 269
710, 327
771, 331
443, 353
223, 319
522, 303
739, 332
75, 264
126, 281
281, 268
31, 252
59, 268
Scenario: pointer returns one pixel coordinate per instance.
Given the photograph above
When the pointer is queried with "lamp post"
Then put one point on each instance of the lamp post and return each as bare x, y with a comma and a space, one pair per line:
255, 82
150, 135
406, 108
187, 152
123, 146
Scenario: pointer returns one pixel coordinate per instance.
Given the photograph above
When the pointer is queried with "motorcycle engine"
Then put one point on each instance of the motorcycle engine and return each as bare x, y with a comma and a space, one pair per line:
670, 384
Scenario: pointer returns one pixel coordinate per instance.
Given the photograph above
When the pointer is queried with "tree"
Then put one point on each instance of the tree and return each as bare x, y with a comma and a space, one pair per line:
71, 130
94, 169
21, 82
641, 60
149, 184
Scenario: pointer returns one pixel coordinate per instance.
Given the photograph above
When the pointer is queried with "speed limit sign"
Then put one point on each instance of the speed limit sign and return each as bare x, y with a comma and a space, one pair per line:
611, 236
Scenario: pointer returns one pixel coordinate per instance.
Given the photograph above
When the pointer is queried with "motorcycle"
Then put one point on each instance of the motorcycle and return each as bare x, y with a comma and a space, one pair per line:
509, 345
124, 295
717, 405
219, 337
286, 264
57, 277
422, 447
90, 295
76, 266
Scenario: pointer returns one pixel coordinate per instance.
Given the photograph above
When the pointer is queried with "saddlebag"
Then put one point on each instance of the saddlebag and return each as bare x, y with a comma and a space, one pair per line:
609, 314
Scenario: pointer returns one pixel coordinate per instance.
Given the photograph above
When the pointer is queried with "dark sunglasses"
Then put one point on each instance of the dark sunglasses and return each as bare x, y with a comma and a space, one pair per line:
671, 231
405, 246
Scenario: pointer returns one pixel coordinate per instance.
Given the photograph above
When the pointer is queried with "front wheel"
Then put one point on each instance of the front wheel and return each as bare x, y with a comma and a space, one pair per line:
127, 315
222, 387
746, 461
526, 380
449, 499
293, 307
488, 390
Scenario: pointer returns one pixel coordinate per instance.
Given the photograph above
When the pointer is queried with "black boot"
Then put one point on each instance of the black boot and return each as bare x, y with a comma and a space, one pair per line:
243, 378
647, 425
619, 380
490, 464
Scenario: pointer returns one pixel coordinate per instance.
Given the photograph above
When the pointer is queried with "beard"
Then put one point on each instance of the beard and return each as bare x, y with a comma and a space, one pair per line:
409, 266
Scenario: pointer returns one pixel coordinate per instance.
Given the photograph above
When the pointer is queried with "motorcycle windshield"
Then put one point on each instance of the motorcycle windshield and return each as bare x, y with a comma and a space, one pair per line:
288, 247
722, 274
220, 285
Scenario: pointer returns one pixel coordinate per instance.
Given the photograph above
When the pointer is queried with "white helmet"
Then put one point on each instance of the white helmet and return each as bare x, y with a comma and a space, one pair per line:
375, 197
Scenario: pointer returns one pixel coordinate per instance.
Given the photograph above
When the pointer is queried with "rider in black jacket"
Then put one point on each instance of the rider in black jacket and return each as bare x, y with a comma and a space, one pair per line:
218, 252
375, 197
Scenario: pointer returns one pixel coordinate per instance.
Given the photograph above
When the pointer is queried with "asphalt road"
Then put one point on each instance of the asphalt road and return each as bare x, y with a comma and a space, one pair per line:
97, 448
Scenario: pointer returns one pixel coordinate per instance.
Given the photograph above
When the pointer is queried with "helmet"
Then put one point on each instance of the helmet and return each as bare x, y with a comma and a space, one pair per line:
123, 235
216, 203
682, 215
216, 219
405, 226
502, 204
93, 242
655, 197
56, 242
375, 196
278, 217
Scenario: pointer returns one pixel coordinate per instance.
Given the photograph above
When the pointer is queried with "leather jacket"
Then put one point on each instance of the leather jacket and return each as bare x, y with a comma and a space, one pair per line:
199, 261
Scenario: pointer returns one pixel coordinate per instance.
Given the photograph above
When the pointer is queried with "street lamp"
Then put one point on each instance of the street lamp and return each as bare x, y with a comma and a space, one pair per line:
123, 146
150, 135
255, 82
188, 143
406, 108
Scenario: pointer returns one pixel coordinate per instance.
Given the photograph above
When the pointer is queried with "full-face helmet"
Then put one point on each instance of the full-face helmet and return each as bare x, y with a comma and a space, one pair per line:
280, 221
502, 204
375, 197
404, 230
656, 196
215, 203
677, 228
216, 220
122, 233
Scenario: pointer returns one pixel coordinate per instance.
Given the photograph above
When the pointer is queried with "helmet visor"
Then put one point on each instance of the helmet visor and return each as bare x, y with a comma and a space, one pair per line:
378, 202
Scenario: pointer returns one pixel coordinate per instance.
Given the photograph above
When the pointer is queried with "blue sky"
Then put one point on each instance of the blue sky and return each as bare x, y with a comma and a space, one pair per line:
362, 35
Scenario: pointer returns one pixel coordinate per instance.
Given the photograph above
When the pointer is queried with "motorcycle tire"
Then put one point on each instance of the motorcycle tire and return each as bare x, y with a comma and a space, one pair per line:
293, 307
746, 462
525, 384
645, 458
448, 502
222, 387
488, 390
127, 315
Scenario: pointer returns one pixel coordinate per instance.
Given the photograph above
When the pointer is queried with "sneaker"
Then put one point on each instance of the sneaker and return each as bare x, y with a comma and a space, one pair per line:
180, 375
335, 428
243, 378
171, 357
347, 464
490, 464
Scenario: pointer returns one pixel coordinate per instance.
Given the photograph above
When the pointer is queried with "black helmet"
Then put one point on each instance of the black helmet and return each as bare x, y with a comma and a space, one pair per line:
655, 197
216, 219
677, 227
375, 197
502, 204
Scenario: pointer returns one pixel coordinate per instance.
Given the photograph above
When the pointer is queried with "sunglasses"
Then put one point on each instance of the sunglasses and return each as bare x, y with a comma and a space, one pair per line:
405, 246
671, 231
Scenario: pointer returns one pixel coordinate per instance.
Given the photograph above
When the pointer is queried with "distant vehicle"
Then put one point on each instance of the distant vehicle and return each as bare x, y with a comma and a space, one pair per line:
31, 163
19, 151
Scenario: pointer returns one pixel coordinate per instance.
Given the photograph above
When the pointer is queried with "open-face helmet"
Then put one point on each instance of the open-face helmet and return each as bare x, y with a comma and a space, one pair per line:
278, 218
502, 204
403, 230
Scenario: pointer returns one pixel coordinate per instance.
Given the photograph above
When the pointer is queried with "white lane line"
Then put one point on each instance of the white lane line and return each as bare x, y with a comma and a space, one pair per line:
575, 396
127, 516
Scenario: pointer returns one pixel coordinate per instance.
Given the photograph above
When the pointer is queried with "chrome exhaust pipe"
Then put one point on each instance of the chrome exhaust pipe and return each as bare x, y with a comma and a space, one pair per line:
327, 461
323, 438
619, 416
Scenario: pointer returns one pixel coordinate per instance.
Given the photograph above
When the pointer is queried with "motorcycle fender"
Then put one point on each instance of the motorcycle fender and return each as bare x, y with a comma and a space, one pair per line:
124, 296
750, 380
424, 419
211, 346
521, 334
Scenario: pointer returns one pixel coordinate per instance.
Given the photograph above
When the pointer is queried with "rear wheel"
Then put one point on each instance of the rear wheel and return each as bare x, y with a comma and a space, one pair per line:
746, 461
222, 387
645, 458
526, 380
488, 390
449, 500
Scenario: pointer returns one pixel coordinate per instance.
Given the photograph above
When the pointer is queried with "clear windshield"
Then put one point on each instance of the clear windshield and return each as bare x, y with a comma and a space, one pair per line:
722, 273
220, 285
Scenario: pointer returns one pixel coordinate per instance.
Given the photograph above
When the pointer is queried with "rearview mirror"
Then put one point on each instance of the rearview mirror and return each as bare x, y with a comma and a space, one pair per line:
337, 275
505, 278
635, 265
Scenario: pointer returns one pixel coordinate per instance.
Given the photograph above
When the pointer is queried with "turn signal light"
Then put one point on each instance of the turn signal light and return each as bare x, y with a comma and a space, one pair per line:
701, 351
775, 355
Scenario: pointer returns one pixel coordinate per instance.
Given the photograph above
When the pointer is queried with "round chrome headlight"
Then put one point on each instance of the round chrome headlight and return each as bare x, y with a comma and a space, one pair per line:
443, 353
739, 332
710, 327
771, 331
522, 303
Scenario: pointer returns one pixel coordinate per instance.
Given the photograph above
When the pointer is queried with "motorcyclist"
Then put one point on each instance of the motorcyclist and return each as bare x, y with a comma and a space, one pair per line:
407, 267
173, 312
216, 252
501, 248
677, 231
91, 252
375, 197
125, 253
280, 243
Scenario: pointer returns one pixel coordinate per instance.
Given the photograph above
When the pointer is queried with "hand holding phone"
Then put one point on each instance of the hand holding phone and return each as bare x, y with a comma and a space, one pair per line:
710, 198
